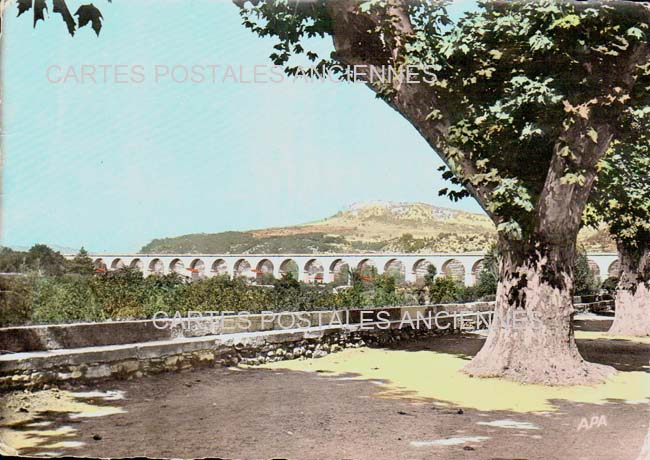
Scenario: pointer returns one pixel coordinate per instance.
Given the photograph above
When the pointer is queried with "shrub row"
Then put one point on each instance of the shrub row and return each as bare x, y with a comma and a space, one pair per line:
125, 294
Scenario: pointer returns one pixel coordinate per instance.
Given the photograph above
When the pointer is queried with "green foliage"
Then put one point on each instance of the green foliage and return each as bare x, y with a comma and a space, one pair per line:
16, 300
584, 279
384, 292
82, 264
245, 242
621, 196
290, 23
265, 279
518, 113
410, 244
12, 261
519, 88
66, 299
430, 275
468, 293
125, 294
610, 285
45, 261
287, 282
487, 283
488, 278
86, 14
443, 290
491, 260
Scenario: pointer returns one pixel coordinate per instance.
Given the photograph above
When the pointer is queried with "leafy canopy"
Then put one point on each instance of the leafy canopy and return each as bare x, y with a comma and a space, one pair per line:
621, 198
535, 82
525, 92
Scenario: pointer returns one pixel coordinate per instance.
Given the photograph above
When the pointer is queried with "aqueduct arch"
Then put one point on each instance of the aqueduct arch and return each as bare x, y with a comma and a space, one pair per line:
290, 267
454, 269
197, 268
99, 266
339, 271
219, 267
137, 264
420, 269
367, 269
395, 268
242, 269
614, 270
177, 266
117, 264
264, 270
314, 272
477, 268
156, 267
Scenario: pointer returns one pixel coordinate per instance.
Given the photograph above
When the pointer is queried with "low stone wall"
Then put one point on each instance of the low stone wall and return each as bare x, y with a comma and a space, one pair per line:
209, 342
79, 335
35, 370
186, 347
598, 306
61, 336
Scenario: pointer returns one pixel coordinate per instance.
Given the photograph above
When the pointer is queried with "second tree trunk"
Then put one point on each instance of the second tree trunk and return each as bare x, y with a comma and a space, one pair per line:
633, 290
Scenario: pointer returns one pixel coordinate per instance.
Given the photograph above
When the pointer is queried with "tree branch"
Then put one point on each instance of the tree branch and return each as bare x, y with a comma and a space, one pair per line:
357, 43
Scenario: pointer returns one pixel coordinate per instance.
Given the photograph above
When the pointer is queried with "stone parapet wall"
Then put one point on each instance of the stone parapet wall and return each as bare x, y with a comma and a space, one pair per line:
42, 369
595, 307
185, 348
79, 335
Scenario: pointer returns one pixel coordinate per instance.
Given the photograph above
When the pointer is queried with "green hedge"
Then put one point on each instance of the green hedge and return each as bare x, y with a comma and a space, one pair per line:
126, 295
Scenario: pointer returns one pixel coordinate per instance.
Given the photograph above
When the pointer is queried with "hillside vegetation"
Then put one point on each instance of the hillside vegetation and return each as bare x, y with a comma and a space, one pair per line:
365, 227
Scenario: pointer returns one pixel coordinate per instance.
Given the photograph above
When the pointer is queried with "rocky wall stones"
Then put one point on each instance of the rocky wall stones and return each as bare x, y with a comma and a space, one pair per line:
249, 350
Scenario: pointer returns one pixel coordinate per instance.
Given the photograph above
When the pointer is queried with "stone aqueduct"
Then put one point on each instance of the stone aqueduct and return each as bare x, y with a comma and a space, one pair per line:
317, 268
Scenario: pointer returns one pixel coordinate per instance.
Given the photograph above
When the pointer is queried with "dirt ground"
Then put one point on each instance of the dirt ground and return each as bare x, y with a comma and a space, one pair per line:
406, 402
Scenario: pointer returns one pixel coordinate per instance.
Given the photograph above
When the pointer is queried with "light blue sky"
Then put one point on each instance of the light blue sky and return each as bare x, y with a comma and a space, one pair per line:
111, 166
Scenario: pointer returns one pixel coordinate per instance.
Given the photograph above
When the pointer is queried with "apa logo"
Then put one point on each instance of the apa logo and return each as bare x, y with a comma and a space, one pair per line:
595, 422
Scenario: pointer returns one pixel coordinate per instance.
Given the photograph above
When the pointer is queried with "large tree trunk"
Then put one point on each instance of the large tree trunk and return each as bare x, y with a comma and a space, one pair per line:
531, 338
633, 290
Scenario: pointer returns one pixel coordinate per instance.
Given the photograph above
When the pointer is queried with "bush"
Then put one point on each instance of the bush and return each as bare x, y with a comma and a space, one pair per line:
609, 285
466, 293
584, 280
384, 292
487, 284
65, 299
125, 294
15, 300
443, 290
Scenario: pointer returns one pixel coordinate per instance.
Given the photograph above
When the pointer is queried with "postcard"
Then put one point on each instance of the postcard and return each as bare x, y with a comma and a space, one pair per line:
325, 229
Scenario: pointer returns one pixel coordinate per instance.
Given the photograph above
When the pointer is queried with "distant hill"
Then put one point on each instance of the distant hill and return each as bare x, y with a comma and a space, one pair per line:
363, 227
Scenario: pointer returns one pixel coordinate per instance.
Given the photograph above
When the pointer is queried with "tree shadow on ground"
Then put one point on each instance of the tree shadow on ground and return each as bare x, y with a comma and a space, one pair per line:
38, 426
464, 346
622, 354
